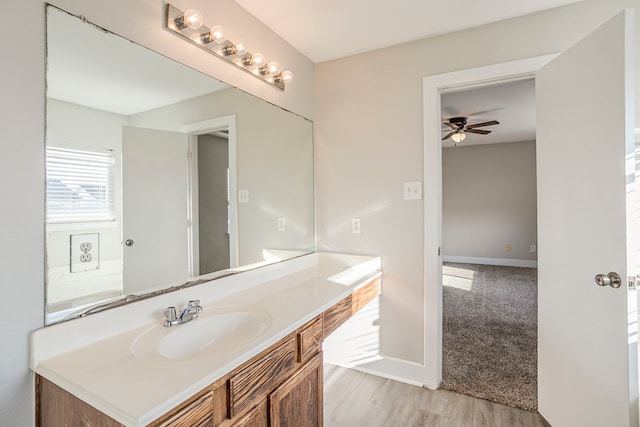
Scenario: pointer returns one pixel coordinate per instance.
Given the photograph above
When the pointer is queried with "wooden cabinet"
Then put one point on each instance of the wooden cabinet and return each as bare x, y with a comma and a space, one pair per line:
197, 412
298, 401
57, 407
253, 382
279, 387
336, 315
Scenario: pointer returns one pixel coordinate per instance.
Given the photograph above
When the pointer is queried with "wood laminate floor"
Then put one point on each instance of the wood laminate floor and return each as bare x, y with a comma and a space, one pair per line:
355, 399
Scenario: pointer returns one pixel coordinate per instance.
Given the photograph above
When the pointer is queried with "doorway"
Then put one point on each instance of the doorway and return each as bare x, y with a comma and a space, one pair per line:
212, 158
489, 243
433, 86
213, 165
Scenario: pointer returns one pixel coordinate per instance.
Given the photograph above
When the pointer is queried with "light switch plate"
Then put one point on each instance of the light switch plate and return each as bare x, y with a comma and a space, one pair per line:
282, 224
412, 190
85, 252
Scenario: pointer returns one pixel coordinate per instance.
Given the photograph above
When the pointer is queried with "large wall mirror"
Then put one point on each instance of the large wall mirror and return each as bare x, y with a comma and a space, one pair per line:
159, 176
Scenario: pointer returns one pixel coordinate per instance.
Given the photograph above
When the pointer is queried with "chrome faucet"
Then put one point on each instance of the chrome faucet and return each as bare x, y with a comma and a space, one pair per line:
190, 313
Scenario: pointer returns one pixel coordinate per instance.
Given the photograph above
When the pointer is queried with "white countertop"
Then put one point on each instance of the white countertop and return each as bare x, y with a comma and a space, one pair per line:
91, 357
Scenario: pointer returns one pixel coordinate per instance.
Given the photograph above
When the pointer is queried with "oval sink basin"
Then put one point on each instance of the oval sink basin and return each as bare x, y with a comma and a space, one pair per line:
216, 330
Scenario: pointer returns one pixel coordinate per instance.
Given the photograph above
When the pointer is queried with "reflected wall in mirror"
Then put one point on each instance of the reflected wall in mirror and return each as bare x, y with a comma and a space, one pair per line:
158, 175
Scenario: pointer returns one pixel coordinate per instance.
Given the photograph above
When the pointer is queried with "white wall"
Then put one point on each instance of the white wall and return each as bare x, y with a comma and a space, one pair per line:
22, 141
489, 201
22, 192
274, 158
369, 141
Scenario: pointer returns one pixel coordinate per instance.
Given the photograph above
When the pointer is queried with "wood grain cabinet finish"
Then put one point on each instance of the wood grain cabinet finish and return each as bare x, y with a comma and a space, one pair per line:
298, 401
256, 417
335, 316
256, 380
365, 295
196, 413
310, 339
279, 387
56, 407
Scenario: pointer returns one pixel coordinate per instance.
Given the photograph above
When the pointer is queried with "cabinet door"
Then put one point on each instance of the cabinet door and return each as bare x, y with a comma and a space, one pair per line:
254, 418
298, 401
196, 413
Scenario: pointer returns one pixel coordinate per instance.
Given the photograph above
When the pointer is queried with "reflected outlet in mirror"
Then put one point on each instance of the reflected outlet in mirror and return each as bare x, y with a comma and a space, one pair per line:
155, 161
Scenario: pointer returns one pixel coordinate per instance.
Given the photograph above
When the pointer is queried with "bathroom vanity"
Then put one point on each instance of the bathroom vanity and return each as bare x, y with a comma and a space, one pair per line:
252, 358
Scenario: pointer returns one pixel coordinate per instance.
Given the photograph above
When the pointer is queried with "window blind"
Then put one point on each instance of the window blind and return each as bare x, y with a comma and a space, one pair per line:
79, 185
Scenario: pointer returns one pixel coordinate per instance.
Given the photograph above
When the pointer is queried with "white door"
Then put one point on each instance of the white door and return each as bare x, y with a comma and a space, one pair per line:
154, 208
587, 360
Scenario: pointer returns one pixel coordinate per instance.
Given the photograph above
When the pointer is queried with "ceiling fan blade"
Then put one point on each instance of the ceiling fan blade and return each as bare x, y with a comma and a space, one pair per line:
449, 135
451, 125
479, 131
477, 125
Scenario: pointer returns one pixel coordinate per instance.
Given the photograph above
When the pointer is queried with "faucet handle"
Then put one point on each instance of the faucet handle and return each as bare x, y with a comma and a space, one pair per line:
194, 304
170, 314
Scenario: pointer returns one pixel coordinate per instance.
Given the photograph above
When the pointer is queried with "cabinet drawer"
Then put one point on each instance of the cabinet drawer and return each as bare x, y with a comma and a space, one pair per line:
310, 340
336, 316
261, 376
196, 413
365, 294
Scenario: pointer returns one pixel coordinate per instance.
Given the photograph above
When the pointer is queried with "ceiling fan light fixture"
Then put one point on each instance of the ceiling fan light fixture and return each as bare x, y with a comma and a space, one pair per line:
458, 136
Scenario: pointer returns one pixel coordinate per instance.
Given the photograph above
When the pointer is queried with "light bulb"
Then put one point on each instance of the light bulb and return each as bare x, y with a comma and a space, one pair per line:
217, 34
273, 68
240, 48
286, 76
256, 59
458, 136
191, 18
235, 49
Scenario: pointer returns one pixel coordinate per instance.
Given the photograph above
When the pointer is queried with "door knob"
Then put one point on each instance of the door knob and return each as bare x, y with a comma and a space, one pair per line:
128, 242
612, 279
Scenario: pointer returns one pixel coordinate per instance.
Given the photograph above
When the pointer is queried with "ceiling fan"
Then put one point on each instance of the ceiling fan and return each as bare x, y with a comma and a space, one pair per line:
460, 128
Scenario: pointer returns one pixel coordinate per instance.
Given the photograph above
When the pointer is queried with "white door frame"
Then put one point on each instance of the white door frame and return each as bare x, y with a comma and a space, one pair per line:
433, 86
202, 128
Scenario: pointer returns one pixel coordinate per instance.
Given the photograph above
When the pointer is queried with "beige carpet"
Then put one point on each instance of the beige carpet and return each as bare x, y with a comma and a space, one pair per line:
490, 333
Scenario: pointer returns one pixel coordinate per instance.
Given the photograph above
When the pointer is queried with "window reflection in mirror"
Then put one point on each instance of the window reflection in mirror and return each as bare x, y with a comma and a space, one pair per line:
181, 147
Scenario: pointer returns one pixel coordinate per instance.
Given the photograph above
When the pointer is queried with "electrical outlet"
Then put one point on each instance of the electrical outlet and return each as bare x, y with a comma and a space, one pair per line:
282, 224
84, 252
412, 190
243, 196
507, 247
532, 248
356, 225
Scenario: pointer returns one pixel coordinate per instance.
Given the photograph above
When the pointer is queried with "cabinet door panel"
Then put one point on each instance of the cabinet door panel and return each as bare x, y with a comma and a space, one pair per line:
256, 380
298, 401
197, 413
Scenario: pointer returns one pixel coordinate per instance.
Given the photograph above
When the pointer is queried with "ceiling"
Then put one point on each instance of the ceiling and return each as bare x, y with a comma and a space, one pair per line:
512, 104
328, 29
85, 66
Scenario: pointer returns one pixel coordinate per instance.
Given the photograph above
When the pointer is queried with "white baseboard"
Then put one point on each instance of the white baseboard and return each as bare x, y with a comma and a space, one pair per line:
394, 369
491, 261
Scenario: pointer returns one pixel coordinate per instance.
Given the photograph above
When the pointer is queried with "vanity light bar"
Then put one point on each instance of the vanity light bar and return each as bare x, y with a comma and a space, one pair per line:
189, 26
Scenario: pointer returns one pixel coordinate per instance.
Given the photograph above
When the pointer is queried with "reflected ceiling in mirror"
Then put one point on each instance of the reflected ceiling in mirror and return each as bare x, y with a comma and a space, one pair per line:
159, 176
